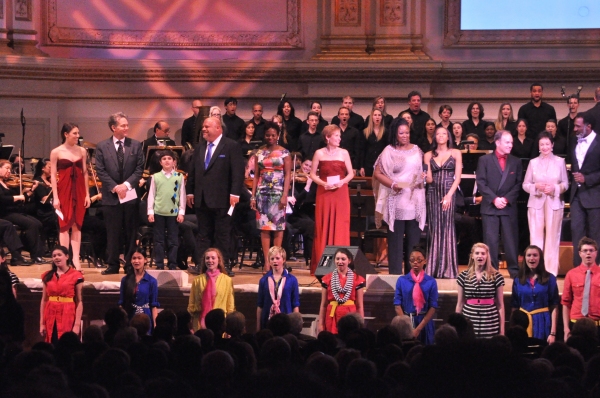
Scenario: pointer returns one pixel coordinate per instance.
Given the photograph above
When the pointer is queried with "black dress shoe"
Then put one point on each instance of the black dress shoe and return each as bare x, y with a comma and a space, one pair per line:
39, 260
193, 269
19, 261
110, 271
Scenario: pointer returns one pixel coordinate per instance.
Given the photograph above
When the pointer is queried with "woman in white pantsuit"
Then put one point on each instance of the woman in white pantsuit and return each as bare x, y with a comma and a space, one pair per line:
545, 181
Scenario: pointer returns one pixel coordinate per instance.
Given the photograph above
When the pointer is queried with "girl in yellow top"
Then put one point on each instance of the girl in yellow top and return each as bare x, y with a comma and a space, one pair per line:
211, 289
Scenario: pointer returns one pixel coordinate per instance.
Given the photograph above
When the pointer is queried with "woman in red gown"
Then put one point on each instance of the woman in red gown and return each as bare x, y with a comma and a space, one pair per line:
70, 192
61, 307
332, 211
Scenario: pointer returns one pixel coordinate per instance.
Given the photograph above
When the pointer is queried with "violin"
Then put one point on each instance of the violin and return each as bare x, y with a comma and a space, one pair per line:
14, 181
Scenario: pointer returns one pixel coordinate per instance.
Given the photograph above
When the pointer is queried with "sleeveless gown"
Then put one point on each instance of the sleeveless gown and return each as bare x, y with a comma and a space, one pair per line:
332, 212
71, 193
441, 260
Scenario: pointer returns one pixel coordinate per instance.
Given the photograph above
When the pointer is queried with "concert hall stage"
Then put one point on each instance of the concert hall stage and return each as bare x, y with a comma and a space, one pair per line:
102, 292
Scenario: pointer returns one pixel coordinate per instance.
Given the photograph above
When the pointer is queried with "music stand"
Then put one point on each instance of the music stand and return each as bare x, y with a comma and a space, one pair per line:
470, 159
153, 162
6, 151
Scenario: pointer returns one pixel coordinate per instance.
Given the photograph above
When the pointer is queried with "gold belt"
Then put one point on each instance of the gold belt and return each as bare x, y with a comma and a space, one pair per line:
529, 315
61, 299
334, 305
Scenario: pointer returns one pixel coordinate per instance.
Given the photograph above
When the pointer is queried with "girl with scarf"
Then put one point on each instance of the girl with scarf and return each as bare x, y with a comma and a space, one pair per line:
417, 297
139, 290
211, 289
278, 290
342, 292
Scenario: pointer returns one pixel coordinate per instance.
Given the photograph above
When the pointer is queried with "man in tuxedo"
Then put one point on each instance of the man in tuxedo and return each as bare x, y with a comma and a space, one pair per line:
499, 180
160, 137
119, 165
585, 183
214, 186
188, 129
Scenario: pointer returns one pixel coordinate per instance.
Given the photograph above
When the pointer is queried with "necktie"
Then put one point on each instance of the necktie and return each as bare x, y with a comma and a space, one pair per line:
208, 155
585, 304
120, 154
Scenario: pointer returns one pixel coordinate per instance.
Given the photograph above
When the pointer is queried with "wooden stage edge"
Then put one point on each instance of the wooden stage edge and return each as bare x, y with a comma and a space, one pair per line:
102, 292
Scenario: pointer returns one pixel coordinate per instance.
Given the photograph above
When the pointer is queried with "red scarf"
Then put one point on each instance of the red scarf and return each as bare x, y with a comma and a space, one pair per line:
418, 298
209, 293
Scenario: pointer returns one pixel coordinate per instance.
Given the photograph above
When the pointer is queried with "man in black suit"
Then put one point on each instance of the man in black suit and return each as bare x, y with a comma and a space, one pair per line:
595, 111
234, 123
214, 186
119, 165
585, 183
160, 137
499, 179
188, 129
352, 140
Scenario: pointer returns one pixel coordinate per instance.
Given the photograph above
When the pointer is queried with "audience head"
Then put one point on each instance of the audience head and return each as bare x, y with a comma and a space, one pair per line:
347, 324
296, 323
141, 323
218, 368
475, 111
446, 335
403, 325
235, 324
463, 326
215, 321
212, 260
279, 324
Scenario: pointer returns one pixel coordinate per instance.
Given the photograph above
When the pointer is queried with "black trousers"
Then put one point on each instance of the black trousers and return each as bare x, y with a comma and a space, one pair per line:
32, 228
584, 222
121, 220
507, 226
214, 230
8, 235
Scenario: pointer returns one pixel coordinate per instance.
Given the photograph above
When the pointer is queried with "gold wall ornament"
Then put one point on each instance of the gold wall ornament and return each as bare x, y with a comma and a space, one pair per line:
392, 12
347, 12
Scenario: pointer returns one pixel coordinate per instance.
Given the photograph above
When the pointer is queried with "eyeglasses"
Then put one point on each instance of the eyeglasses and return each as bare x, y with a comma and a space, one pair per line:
416, 260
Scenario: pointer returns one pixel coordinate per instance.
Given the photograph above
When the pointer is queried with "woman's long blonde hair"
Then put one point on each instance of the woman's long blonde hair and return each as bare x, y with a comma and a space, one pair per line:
489, 272
371, 127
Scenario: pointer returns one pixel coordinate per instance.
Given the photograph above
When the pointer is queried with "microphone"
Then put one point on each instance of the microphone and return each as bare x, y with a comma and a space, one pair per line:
425, 169
22, 118
282, 97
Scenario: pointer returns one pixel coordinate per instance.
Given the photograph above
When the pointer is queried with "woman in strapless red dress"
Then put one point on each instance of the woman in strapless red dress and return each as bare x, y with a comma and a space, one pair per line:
70, 189
332, 210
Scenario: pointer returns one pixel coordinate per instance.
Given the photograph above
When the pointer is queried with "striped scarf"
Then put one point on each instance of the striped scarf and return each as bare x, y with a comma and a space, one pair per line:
337, 289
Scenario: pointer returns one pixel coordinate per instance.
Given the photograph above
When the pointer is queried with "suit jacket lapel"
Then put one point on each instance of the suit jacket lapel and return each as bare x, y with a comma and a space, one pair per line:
506, 170
202, 152
590, 149
112, 153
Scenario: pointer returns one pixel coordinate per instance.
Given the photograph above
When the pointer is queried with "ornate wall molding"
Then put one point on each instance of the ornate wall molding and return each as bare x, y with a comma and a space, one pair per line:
56, 35
347, 12
454, 36
359, 72
392, 13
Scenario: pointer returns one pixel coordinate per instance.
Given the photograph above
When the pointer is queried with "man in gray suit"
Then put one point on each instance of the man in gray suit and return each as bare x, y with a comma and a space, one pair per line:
119, 164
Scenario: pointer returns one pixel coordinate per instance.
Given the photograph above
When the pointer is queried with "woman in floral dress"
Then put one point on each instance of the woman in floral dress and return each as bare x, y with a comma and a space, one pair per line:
270, 188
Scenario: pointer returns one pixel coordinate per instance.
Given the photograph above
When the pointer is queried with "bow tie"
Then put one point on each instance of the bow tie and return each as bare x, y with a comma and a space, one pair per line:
580, 140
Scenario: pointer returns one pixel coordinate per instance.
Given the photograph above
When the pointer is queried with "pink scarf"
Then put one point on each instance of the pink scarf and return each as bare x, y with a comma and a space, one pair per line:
418, 298
209, 293
275, 299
